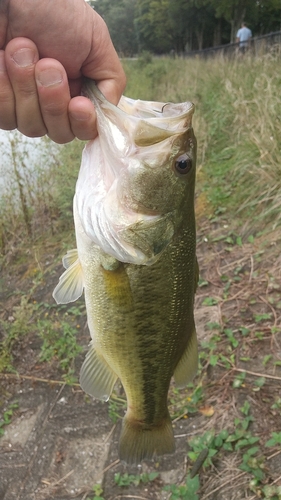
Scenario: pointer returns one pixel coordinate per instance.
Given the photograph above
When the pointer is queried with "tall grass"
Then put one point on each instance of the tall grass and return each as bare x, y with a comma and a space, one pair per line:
237, 123
36, 189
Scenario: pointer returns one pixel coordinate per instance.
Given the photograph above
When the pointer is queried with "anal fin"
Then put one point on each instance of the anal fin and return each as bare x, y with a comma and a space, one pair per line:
96, 376
188, 364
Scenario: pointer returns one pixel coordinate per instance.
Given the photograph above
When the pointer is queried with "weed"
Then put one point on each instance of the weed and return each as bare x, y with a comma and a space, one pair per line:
18, 324
239, 380
7, 416
230, 335
262, 317
116, 405
59, 342
184, 402
259, 335
242, 436
274, 440
252, 464
240, 440
258, 383
245, 409
98, 491
277, 404
128, 479
202, 282
209, 301
268, 492
199, 443
188, 491
244, 331
266, 359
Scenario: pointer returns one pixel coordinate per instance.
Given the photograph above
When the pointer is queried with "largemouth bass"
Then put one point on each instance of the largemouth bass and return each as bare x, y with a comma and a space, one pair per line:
136, 262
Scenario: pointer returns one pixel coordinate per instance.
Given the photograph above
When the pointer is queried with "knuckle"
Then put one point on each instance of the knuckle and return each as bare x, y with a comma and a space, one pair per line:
25, 91
54, 108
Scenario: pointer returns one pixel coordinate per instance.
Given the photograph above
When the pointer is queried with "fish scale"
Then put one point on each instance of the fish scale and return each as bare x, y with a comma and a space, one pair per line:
136, 263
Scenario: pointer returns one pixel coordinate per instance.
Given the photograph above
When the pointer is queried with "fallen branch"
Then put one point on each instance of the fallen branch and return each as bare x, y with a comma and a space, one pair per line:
35, 379
273, 377
51, 485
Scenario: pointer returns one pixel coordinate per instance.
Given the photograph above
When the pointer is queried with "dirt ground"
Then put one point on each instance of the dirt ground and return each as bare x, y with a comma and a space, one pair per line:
60, 444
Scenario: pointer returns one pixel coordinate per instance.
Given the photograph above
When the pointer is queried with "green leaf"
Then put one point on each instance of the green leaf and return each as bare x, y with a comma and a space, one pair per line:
252, 451
266, 359
213, 359
227, 446
193, 485
193, 456
209, 301
259, 382
245, 408
275, 439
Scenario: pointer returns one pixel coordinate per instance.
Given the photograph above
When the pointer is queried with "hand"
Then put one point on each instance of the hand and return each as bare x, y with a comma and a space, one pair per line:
47, 47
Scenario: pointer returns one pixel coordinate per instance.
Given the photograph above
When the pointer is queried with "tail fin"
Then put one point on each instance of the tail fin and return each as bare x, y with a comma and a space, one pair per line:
139, 441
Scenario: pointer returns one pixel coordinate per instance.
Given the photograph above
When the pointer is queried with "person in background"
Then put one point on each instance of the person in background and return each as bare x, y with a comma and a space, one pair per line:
243, 36
46, 47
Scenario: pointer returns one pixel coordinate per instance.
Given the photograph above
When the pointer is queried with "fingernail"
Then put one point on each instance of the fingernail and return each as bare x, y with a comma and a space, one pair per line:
50, 77
24, 57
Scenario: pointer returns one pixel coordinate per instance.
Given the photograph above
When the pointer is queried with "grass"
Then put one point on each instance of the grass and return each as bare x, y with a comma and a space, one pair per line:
237, 123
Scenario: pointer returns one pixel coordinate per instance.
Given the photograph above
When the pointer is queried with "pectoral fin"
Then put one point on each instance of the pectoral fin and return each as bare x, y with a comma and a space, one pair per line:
96, 376
69, 258
71, 282
188, 364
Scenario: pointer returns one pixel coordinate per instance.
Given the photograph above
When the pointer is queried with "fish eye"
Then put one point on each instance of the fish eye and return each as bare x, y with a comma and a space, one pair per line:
183, 164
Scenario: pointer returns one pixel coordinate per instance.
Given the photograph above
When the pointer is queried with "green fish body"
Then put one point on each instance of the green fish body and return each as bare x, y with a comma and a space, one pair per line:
136, 262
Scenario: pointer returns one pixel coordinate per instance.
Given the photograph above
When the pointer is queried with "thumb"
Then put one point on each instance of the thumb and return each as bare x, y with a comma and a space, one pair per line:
103, 64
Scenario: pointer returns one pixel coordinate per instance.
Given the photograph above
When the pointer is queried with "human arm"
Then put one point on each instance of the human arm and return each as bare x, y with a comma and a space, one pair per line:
238, 36
46, 49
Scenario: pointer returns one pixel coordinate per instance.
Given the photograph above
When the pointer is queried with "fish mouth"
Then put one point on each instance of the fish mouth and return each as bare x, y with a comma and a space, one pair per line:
143, 123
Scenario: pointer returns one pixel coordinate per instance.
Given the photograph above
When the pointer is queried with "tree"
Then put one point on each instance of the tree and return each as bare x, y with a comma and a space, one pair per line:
154, 25
267, 16
119, 16
234, 11
172, 24
164, 25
